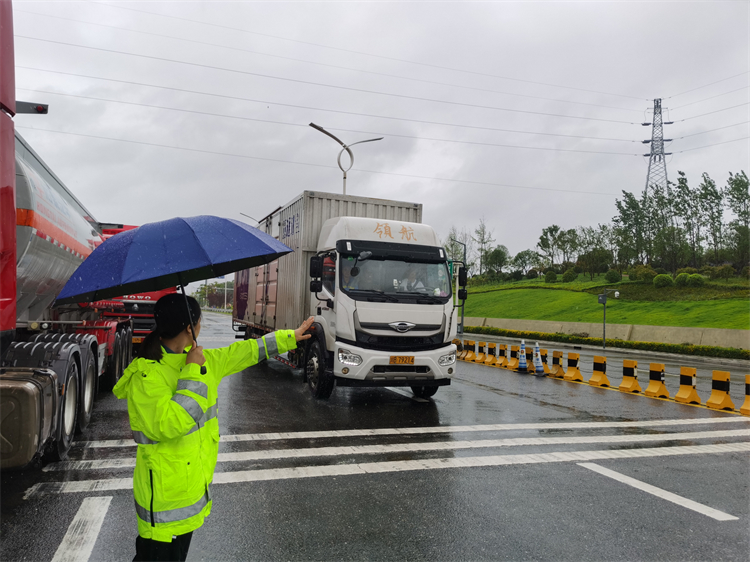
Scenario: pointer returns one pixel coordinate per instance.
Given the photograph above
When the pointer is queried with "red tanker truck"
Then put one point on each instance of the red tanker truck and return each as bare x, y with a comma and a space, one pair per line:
53, 361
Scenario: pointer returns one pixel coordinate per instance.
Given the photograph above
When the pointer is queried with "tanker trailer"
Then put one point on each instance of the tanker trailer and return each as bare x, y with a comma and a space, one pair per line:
52, 360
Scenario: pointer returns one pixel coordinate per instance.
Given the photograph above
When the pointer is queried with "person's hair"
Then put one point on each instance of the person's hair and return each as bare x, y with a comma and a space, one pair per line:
171, 316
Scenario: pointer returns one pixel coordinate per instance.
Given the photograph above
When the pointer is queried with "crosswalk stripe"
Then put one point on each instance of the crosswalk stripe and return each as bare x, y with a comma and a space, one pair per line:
89, 486
81, 536
413, 448
115, 443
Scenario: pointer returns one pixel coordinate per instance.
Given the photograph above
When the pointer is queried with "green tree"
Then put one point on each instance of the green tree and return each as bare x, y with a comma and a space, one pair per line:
630, 223
548, 243
687, 206
497, 259
483, 238
567, 241
525, 260
712, 212
737, 196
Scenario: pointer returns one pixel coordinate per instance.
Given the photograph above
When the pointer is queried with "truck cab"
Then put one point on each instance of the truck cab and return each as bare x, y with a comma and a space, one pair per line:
383, 307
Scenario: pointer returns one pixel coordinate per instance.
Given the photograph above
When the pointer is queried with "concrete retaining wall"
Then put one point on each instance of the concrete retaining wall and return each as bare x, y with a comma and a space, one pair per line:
628, 332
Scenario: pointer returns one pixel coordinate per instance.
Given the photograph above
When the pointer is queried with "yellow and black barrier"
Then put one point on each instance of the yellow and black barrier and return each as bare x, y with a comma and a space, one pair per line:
502, 356
543, 354
656, 387
557, 371
719, 399
491, 358
745, 408
629, 377
512, 363
573, 372
472, 353
481, 352
599, 378
529, 360
464, 350
687, 393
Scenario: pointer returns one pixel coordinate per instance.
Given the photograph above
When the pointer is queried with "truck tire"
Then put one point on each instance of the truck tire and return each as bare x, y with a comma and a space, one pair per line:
424, 391
114, 365
319, 378
88, 392
67, 415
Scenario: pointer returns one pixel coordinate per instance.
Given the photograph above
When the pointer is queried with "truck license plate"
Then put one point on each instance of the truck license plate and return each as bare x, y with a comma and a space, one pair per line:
402, 360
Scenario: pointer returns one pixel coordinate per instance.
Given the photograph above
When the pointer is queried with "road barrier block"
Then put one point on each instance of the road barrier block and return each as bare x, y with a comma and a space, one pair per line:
529, 359
491, 358
472, 353
481, 352
745, 409
464, 350
599, 378
573, 373
502, 356
543, 353
512, 363
656, 387
719, 399
687, 393
629, 377
557, 371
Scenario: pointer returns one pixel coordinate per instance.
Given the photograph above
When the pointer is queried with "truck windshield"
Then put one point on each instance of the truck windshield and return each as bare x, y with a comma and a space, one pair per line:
397, 278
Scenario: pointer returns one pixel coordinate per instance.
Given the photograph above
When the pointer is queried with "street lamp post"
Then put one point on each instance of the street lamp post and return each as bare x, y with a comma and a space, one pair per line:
603, 300
346, 148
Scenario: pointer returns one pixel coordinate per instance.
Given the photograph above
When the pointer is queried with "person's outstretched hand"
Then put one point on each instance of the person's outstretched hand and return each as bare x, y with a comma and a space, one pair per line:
299, 333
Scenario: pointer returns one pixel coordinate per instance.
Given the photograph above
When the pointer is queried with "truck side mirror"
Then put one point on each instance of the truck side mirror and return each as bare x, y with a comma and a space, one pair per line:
462, 277
316, 266
462, 294
316, 286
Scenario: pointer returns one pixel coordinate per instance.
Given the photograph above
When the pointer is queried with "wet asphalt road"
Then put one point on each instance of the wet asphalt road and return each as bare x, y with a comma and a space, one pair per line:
498, 466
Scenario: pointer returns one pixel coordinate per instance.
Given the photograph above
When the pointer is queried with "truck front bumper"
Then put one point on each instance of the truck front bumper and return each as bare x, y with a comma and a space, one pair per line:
430, 368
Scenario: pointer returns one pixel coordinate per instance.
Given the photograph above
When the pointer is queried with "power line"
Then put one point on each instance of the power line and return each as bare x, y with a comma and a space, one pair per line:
368, 54
403, 119
711, 112
309, 83
409, 78
711, 84
709, 145
206, 113
710, 98
315, 165
712, 130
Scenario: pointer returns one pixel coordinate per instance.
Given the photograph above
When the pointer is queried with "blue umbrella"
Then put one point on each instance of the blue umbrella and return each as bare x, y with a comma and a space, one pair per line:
169, 253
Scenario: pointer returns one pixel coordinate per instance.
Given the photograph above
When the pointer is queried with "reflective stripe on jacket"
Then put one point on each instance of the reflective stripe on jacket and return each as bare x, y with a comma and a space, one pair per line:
173, 415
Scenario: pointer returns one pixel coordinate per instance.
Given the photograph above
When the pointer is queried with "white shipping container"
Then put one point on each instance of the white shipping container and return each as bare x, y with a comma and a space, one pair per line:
277, 296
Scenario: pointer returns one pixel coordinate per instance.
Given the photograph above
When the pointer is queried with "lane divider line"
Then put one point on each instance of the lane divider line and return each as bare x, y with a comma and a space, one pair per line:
87, 486
308, 452
114, 443
78, 542
660, 493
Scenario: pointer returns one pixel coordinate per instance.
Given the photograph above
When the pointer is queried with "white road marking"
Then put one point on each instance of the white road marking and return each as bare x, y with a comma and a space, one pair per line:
660, 493
114, 443
83, 531
406, 393
400, 466
414, 448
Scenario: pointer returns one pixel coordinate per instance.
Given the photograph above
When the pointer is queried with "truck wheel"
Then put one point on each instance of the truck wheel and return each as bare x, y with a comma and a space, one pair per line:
319, 379
88, 391
424, 391
114, 365
68, 414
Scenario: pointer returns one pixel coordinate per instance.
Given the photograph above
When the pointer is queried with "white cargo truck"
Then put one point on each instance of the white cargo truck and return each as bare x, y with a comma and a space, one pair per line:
375, 279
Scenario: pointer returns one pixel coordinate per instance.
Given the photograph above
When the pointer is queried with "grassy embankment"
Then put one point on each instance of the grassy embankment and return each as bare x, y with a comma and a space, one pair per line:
716, 305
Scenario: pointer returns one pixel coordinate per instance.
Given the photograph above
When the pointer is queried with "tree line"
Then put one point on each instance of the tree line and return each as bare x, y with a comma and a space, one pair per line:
667, 228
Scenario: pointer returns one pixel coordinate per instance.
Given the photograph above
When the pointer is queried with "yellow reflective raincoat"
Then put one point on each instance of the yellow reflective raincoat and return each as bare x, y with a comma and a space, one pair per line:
173, 414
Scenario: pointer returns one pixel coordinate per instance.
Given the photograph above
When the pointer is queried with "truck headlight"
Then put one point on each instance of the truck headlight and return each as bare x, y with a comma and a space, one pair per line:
348, 358
446, 360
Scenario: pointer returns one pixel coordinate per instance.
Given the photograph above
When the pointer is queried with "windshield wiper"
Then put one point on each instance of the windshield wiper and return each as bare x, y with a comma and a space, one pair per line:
379, 293
425, 296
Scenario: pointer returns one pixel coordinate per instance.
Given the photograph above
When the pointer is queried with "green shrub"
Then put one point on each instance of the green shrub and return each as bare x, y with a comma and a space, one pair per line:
550, 277
682, 279
532, 274
516, 275
708, 270
663, 280
642, 273
688, 270
745, 272
725, 272
613, 276
661, 271
569, 276
695, 280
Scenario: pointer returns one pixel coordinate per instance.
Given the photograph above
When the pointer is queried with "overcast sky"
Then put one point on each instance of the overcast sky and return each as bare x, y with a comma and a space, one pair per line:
561, 87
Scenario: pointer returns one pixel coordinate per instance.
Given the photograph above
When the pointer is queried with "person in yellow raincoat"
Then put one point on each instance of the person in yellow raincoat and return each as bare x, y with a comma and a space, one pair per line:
171, 389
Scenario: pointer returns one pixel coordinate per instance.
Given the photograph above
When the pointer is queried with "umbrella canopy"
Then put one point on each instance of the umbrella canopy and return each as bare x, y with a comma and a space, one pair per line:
169, 253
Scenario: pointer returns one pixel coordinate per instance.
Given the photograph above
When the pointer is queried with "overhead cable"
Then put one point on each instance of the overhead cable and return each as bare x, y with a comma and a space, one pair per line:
710, 98
409, 78
709, 145
711, 112
241, 118
369, 54
268, 102
309, 83
712, 130
711, 84
277, 160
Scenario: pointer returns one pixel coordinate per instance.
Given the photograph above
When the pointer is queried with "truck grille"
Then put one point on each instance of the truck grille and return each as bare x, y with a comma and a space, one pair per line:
399, 343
